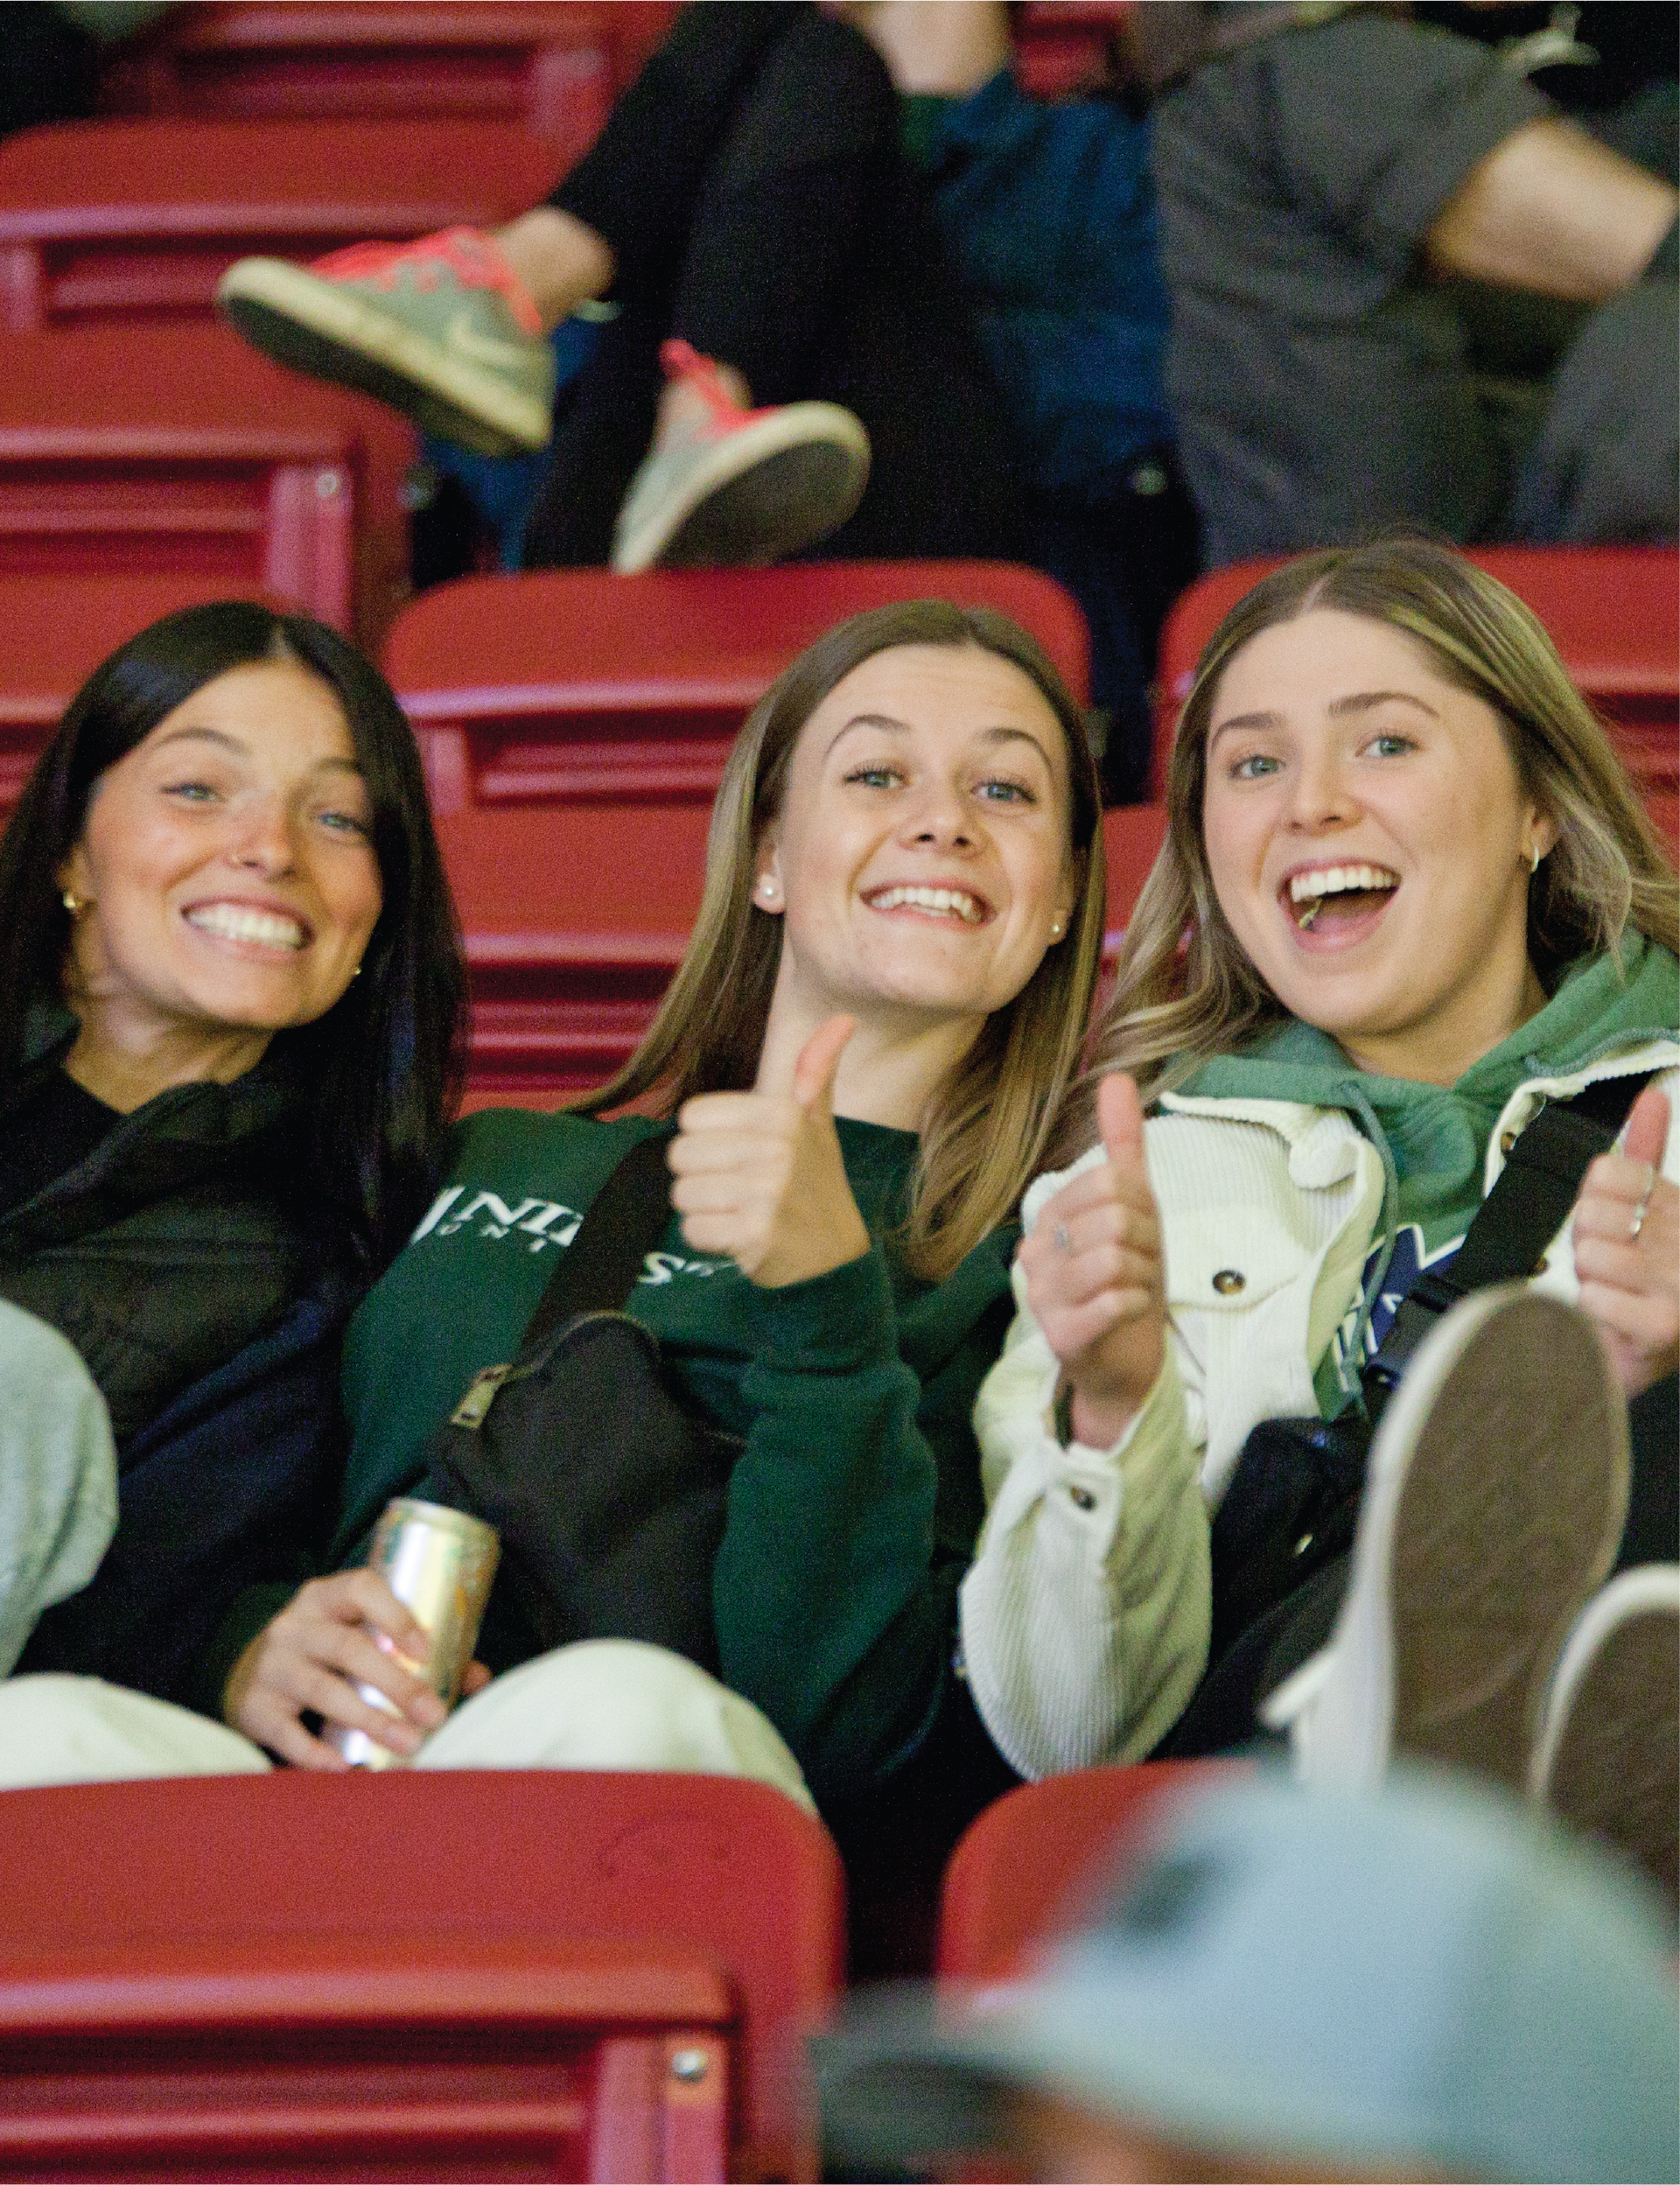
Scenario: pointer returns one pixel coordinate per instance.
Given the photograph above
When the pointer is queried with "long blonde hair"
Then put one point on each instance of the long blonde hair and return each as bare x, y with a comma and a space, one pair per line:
987, 1128
1184, 991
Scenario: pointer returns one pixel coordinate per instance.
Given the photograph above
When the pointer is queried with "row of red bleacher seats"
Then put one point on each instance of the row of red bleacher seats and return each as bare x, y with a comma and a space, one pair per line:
465, 1975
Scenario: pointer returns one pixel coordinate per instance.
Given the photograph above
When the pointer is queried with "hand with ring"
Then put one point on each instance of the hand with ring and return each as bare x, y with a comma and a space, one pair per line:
1626, 1232
1095, 1277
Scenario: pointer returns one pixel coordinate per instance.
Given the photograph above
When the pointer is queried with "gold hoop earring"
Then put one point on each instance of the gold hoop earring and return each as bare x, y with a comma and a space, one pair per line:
73, 903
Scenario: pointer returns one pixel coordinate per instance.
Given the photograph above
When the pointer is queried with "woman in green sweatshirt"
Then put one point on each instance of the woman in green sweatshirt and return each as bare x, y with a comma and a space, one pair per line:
1409, 896
857, 1066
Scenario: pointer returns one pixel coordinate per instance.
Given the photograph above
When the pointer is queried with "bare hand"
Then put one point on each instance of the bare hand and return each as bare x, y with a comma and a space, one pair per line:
334, 1633
1095, 1277
1630, 1286
761, 1177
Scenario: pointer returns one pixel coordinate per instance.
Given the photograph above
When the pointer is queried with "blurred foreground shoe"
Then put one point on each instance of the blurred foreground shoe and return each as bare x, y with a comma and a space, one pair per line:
1494, 1503
441, 329
739, 485
1607, 1762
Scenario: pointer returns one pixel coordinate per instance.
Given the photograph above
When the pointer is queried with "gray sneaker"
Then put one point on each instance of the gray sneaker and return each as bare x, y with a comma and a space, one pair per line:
1607, 1759
1493, 1500
746, 487
440, 329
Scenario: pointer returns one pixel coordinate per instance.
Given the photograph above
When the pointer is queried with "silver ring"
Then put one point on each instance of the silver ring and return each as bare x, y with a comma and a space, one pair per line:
1061, 1239
1643, 1209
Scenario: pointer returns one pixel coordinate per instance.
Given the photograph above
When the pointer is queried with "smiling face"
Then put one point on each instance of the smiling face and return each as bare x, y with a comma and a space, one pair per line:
1369, 843
227, 872
920, 857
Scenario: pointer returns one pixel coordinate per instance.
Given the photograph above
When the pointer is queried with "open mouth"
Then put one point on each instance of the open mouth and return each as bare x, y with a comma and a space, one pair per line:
256, 928
954, 904
1328, 899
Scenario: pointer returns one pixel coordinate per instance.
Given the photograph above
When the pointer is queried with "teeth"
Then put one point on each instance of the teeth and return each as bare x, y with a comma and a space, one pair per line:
951, 900
267, 928
1337, 879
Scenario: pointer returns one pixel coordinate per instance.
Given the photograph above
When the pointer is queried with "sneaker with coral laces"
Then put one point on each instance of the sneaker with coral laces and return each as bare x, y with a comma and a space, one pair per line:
441, 329
1607, 1759
739, 485
1494, 1499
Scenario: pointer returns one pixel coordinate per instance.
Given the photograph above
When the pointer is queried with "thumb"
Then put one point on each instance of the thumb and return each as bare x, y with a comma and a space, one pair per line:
1120, 1121
1648, 1127
818, 1061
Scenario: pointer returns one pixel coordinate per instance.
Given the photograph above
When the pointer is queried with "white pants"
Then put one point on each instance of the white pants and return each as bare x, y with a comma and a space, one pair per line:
58, 1474
606, 1703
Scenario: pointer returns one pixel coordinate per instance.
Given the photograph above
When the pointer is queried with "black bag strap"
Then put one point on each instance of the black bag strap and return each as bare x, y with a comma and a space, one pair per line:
1530, 1202
625, 1219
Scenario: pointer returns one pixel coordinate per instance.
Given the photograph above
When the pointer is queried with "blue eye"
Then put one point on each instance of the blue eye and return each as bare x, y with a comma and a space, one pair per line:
1391, 745
190, 792
1001, 792
873, 777
1256, 767
344, 823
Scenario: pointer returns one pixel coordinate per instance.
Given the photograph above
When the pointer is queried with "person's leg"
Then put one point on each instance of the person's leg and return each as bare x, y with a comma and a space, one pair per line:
58, 1476
1604, 467
615, 1703
78, 1729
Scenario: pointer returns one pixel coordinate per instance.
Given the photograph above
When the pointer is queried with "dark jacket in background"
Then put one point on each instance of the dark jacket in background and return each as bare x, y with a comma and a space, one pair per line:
207, 1300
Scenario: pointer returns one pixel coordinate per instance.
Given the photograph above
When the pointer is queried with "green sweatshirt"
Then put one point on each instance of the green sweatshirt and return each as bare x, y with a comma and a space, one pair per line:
1433, 1139
854, 1508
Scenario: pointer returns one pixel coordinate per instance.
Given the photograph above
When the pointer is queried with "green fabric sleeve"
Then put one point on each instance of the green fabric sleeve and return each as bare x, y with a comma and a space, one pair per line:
834, 1612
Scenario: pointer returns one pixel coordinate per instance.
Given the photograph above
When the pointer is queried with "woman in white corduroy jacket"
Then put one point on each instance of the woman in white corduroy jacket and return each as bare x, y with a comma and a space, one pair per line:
1408, 894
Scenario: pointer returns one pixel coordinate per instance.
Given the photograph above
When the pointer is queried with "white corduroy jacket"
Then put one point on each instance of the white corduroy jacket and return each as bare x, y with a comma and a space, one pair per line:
1085, 1614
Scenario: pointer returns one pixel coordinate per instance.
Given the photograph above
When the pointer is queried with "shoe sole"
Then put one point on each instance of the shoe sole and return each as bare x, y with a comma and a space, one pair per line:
312, 326
771, 488
1513, 1502
1611, 1767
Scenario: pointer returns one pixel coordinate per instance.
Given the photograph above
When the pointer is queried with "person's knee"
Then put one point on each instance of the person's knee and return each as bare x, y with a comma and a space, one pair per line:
616, 1704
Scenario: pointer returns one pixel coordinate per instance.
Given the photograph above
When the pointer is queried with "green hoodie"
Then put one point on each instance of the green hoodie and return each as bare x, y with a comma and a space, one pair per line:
1433, 1139
855, 1505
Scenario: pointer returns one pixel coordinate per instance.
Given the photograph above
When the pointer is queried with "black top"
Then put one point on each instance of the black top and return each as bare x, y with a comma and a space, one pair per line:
53, 1132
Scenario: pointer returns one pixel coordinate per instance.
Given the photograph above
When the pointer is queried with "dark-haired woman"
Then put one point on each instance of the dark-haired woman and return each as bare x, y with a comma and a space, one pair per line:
230, 1006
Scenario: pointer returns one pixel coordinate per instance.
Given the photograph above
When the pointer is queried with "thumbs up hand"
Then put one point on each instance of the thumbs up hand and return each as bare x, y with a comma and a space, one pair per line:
1627, 1238
760, 1175
1095, 1277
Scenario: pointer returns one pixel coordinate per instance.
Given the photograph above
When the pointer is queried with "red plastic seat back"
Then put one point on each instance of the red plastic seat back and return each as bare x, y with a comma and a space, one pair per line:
553, 64
303, 1975
576, 686
1022, 1870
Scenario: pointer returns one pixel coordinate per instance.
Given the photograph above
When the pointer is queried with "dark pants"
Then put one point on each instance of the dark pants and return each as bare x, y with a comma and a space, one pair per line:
750, 187
1224, 1712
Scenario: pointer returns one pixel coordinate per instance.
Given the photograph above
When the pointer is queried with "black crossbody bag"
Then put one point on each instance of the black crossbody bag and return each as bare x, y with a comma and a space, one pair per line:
607, 1490
1294, 1499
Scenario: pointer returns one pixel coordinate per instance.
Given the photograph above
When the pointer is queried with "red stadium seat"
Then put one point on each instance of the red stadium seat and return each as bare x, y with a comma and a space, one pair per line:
503, 1974
555, 66
574, 918
1018, 1875
1132, 833
104, 221
1613, 613
179, 450
1062, 47
574, 685
55, 631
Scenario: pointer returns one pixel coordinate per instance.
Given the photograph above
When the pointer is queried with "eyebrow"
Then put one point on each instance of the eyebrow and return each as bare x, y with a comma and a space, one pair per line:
239, 750
1339, 709
1000, 734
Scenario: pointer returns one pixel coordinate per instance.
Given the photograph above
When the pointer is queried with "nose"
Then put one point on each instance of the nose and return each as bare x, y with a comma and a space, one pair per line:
1320, 793
940, 817
263, 840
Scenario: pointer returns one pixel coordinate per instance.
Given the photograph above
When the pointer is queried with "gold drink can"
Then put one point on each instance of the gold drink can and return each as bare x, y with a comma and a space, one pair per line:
440, 1564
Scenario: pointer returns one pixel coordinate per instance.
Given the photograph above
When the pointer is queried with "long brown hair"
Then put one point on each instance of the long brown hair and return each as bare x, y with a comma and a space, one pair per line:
987, 1128
1186, 991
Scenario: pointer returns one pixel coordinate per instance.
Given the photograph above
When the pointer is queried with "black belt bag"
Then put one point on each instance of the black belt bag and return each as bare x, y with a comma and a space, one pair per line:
1294, 1499
607, 1490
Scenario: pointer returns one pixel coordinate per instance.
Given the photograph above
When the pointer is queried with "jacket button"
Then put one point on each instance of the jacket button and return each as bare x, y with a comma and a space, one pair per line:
1228, 1281
1081, 1498
1506, 1139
